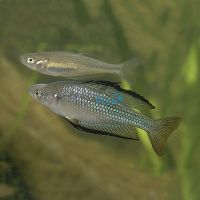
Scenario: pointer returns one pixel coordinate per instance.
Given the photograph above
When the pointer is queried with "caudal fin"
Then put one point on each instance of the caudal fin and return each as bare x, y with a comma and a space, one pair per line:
162, 130
128, 69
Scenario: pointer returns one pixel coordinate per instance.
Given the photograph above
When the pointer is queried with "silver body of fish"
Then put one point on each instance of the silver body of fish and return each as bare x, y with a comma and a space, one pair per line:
104, 108
69, 64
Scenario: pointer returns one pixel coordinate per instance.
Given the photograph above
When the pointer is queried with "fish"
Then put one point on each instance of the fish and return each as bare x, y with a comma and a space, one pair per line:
104, 107
73, 65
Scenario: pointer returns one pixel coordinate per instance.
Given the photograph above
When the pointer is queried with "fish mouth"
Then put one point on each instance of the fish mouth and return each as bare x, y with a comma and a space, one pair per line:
34, 88
22, 59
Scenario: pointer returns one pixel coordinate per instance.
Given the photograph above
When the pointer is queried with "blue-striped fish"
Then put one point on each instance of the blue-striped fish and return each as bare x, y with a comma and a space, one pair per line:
68, 64
104, 108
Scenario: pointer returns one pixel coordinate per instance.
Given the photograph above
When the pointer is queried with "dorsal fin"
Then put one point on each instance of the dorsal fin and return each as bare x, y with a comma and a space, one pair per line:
89, 55
129, 92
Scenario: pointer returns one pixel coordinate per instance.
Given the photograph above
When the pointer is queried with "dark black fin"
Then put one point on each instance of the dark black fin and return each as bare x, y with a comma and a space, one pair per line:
102, 132
117, 87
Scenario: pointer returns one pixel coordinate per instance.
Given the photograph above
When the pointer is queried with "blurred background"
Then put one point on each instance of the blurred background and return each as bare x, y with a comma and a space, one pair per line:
42, 157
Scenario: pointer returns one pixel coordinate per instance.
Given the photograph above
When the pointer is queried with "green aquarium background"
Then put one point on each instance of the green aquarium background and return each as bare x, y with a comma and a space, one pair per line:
42, 157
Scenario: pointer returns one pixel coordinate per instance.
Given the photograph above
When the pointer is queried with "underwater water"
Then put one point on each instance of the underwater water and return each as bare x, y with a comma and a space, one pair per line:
43, 157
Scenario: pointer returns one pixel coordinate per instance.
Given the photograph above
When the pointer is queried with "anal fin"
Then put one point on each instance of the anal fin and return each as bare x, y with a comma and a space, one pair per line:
119, 130
105, 128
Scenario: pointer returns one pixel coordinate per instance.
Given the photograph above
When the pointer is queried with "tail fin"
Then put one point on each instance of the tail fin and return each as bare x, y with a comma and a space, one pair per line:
162, 130
128, 69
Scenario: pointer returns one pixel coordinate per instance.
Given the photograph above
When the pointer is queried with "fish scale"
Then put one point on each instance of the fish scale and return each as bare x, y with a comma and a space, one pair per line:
113, 113
98, 107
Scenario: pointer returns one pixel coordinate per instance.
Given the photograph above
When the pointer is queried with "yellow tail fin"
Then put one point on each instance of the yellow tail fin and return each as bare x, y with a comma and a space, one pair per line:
162, 130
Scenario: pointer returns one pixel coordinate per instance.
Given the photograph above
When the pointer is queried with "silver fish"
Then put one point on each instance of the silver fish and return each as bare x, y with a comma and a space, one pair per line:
68, 64
104, 108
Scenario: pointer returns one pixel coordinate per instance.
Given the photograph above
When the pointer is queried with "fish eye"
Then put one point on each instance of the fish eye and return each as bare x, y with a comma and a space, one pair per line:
37, 94
30, 60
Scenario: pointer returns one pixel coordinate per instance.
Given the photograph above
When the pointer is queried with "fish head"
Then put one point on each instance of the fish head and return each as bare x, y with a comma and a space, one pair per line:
44, 94
35, 61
